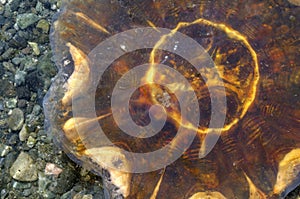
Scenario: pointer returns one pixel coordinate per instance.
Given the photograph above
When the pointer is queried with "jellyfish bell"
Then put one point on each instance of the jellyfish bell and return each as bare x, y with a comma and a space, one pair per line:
178, 99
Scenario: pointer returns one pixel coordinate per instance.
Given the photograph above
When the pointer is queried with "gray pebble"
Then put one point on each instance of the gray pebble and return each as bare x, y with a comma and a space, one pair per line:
9, 66
24, 169
27, 192
9, 53
20, 77
13, 139
4, 193
21, 185
16, 119
26, 19
36, 110
22, 103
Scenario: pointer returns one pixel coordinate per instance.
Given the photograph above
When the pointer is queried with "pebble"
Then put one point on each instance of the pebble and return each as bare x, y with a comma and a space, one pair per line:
31, 141
36, 110
7, 88
52, 169
4, 150
20, 77
26, 19
44, 183
34, 47
9, 66
19, 40
21, 185
3, 193
16, 119
11, 103
43, 25
24, 169
23, 93
23, 134
9, 53
13, 139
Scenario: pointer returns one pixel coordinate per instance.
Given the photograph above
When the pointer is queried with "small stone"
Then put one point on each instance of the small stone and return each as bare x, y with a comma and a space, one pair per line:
7, 88
20, 77
8, 54
31, 141
13, 139
43, 25
18, 40
14, 4
27, 192
34, 47
20, 185
4, 150
4, 193
9, 66
26, 19
16, 119
23, 134
2, 20
22, 103
36, 110
17, 60
24, 169
52, 169
11, 103
39, 7
43, 185
23, 93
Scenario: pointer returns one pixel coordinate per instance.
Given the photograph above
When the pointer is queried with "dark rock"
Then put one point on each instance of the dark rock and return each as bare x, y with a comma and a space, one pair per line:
7, 88
13, 139
22, 103
8, 54
1, 69
23, 92
2, 20
2, 47
18, 41
14, 5
34, 81
65, 181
